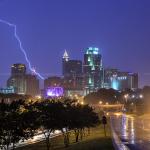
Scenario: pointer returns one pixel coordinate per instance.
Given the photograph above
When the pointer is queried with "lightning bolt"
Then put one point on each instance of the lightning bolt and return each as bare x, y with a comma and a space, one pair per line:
21, 47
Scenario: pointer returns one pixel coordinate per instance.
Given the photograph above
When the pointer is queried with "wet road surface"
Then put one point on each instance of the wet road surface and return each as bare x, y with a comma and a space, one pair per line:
134, 132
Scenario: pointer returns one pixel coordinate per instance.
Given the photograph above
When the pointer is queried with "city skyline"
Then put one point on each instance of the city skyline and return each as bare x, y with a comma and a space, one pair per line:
77, 76
119, 29
61, 74
74, 74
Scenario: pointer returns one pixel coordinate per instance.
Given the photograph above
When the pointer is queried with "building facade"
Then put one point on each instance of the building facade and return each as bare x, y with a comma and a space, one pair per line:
32, 85
21, 82
92, 69
7, 90
18, 69
113, 78
53, 81
17, 78
72, 73
65, 59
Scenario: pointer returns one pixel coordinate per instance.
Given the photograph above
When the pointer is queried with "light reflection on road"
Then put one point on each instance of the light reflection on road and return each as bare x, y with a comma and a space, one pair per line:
133, 132
37, 138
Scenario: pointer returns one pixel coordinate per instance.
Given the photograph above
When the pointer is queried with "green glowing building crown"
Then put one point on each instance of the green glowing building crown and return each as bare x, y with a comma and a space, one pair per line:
92, 50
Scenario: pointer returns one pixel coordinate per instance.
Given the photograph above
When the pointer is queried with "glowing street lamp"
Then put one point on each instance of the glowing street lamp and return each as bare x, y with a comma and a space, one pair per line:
133, 96
100, 102
82, 103
107, 103
126, 97
141, 96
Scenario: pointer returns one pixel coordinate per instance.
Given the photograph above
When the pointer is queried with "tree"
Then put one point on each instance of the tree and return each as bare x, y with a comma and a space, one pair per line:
49, 116
105, 95
14, 126
65, 119
82, 116
20, 121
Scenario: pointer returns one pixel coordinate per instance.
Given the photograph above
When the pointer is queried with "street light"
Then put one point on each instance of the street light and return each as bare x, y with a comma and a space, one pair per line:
141, 96
132, 103
100, 102
107, 103
82, 103
133, 96
126, 97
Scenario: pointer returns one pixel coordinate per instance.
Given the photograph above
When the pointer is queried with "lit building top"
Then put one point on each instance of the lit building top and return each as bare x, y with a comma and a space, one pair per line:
92, 68
18, 66
66, 56
92, 50
18, 69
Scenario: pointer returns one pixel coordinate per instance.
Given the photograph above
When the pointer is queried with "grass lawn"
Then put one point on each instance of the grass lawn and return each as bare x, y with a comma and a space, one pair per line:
95, 141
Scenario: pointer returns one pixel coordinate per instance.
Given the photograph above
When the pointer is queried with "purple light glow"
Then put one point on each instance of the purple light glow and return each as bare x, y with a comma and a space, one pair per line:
54, 91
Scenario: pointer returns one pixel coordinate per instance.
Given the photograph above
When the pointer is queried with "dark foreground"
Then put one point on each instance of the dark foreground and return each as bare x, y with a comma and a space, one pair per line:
95, 141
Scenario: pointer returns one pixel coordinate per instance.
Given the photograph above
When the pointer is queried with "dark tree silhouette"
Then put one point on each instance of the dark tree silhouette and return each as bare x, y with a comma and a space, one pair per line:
15, 124
105, 95
20, 120
49, 116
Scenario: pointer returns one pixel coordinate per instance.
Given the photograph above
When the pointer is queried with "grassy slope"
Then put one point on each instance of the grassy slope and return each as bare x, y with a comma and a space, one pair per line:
95, 141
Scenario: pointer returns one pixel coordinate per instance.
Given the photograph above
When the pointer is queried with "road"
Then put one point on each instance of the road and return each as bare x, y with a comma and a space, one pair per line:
134, 132
37, 138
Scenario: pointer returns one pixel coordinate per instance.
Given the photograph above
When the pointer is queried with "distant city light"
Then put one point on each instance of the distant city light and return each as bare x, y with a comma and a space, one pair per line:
38, 97
141, 96
92, 50
115, 84
126, 96
54, 92
100, 102
82, 103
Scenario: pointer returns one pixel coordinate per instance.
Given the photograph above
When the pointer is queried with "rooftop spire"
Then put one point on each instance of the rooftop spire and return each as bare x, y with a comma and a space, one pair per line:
66, 56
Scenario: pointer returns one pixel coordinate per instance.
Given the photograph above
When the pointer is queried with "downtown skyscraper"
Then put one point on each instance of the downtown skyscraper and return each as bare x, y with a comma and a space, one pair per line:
22, 82
72, 73
17, 78
92, 68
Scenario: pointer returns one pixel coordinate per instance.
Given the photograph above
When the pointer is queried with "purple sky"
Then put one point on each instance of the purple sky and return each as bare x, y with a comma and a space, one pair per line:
120, 28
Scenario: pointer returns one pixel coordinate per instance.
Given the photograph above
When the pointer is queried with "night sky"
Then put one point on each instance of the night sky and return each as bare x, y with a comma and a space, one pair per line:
120, 28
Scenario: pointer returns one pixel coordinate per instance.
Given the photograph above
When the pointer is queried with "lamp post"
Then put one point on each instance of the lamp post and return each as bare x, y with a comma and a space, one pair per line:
100, 105
141, 96
107, 103
126, 97
100, 102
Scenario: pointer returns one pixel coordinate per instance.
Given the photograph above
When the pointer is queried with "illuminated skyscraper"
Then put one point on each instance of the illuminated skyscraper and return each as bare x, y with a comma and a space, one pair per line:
92, 69
73, 68
111, 78
72, 75
18, 69
65, 59
17, 79
120, 80
21, 82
